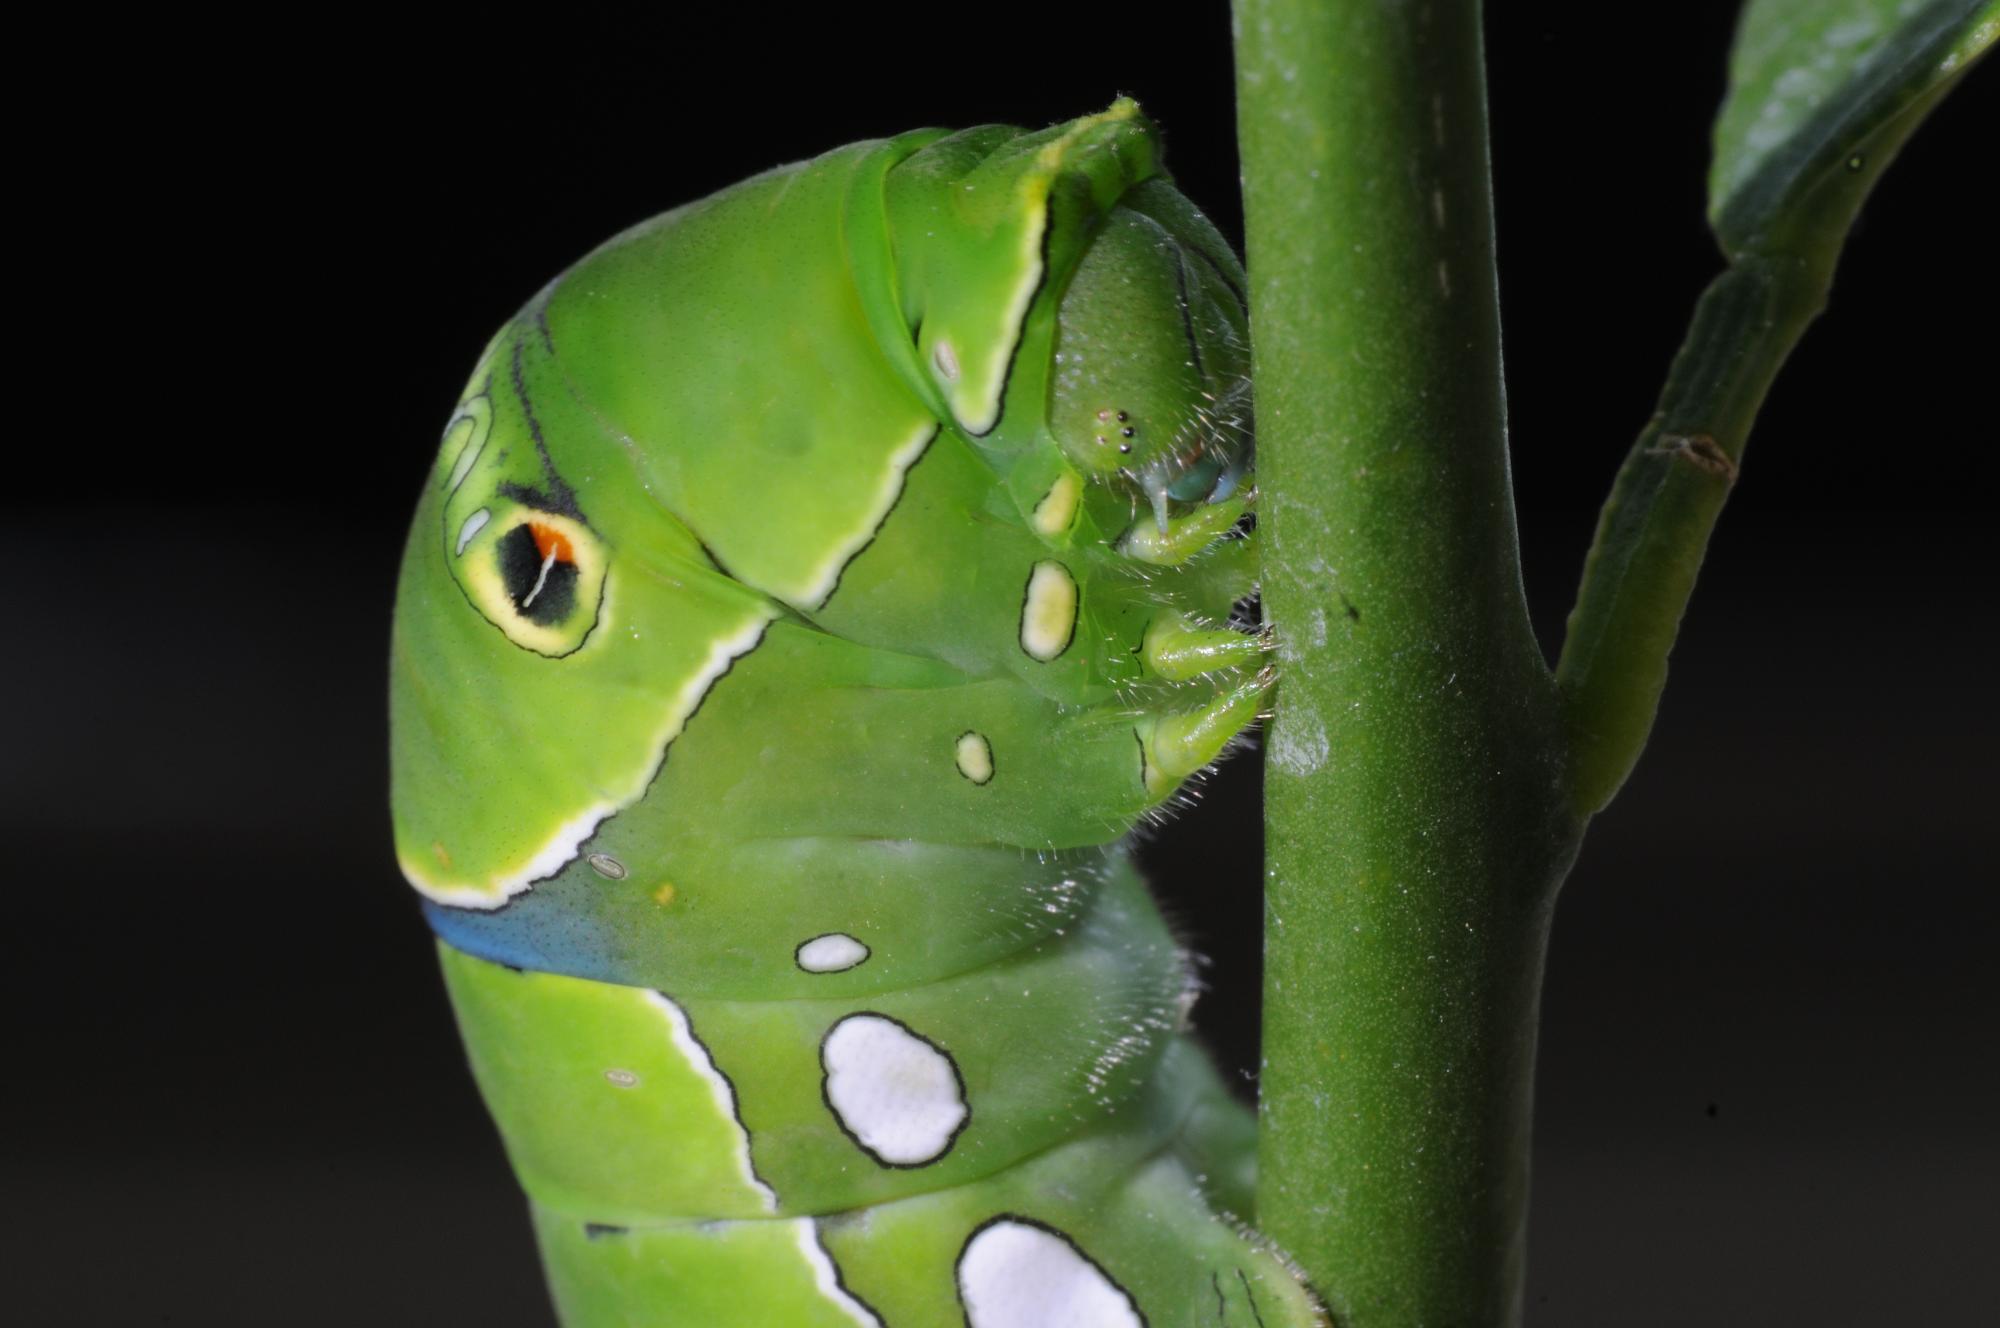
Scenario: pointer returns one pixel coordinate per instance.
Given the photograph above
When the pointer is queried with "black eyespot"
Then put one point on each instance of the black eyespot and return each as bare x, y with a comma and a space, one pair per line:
539, 571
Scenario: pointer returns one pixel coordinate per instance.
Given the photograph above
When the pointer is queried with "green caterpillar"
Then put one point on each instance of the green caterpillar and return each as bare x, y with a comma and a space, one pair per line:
815, 584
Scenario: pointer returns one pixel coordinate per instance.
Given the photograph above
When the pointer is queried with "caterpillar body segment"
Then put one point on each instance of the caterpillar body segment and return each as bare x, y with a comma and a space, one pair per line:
814, 585
1110, 1229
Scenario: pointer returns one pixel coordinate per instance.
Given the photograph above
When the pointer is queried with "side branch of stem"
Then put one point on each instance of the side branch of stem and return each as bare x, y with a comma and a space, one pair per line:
1655, 526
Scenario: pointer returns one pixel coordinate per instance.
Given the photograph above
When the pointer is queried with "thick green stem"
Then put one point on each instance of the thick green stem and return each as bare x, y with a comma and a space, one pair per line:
1427, 778
1415, 821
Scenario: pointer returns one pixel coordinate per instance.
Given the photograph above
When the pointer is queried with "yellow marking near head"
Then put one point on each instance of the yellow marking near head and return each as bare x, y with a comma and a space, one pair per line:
975, 757
1057, 510
1048, 613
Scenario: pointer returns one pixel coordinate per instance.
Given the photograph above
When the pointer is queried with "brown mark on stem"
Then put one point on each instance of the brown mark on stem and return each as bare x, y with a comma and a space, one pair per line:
1698, 450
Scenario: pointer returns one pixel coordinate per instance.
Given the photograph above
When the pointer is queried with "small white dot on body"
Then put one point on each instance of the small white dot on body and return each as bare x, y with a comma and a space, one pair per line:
946, 360
836, 952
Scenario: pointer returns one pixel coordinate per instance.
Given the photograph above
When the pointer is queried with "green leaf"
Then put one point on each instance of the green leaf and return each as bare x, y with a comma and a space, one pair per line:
1821, 95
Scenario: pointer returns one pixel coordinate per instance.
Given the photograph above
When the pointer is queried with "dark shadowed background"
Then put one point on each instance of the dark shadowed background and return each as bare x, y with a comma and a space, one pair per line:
1767, 1083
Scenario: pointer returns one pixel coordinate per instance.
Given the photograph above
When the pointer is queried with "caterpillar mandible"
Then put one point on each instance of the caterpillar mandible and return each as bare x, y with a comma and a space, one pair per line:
814, 585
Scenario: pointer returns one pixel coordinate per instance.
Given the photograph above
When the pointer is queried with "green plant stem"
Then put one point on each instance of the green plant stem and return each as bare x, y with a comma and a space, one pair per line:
1416, 826
1654, 529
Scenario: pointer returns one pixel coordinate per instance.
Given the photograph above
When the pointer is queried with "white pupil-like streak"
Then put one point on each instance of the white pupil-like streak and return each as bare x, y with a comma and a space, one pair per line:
548, 561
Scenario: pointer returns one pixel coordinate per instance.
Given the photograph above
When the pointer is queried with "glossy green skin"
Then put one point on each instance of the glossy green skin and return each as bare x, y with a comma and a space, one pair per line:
830, 558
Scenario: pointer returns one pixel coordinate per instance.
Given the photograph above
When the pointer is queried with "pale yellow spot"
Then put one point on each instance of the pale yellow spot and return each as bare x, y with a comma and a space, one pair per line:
665, 894
1048, 615
444, 858
1057, 510
975, 758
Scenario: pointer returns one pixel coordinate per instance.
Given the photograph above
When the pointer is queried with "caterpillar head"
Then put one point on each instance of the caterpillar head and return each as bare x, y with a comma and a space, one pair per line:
865, 525
1068, 303
1151, 381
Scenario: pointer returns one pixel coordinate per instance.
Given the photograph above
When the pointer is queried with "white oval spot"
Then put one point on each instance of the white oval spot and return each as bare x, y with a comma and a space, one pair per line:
622, 1078
610, 868
975, 757
1014, 1274
835, 952
473, 525
1048, 611
892, 1091
946, 360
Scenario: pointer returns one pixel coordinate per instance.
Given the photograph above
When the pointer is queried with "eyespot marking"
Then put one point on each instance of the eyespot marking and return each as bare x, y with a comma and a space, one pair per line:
974, 756
473, 525
894, 1092
835, 952
539, 576
1048, 611
1015, 1272
539, 563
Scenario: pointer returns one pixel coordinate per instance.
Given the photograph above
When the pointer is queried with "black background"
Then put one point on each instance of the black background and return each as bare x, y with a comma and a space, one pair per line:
235, 1096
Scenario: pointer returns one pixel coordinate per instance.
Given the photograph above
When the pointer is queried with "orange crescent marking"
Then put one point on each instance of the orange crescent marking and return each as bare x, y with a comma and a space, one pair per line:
550, 540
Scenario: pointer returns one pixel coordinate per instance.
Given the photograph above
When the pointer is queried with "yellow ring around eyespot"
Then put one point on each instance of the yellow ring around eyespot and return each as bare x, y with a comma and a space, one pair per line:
574, 542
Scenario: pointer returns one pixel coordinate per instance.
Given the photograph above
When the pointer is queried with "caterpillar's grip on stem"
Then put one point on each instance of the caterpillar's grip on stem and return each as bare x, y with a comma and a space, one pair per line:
814, 586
